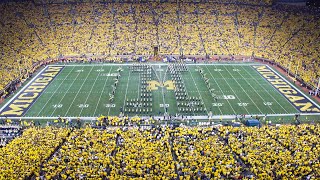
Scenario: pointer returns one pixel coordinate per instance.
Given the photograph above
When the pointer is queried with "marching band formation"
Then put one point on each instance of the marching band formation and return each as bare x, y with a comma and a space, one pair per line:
143, 104
185, 103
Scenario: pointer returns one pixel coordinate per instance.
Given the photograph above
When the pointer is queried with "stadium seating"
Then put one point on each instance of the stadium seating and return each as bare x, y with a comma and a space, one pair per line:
270, 152
23, 156
31, 33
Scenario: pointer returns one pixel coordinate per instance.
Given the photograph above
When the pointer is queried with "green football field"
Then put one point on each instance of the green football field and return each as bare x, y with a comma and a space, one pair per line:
84, 91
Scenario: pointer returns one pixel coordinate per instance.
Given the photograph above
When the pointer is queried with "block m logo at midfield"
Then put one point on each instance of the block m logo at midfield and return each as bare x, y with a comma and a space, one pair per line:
153, 85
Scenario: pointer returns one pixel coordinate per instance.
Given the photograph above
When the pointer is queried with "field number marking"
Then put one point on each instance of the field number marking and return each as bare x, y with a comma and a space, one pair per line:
164, 105
110, 105
57, 105
226, 97
109, 74
243, 104
267, 103
83, 105
217, 104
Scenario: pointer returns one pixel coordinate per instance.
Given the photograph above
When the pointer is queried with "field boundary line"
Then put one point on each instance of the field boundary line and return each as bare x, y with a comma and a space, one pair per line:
161, 117
278, 91
21, 90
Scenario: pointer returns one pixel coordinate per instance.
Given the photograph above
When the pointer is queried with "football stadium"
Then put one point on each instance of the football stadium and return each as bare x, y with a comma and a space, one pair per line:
160, 89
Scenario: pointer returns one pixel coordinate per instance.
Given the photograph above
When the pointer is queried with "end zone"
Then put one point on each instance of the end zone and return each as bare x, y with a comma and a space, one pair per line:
22, 101
297, 98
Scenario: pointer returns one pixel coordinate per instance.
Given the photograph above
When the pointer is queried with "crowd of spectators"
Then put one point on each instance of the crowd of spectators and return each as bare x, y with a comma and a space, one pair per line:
31, 32
164, 152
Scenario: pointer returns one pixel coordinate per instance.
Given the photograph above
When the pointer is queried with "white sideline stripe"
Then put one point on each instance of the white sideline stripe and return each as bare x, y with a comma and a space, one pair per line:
161, 117
294, 87
201, 64
25, 86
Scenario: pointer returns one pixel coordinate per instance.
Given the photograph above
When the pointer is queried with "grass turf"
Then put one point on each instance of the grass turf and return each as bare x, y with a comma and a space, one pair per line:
83, 91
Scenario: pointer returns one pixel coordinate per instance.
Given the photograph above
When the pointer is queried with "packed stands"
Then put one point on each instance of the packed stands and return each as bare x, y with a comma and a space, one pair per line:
33, 32
225, 152
23, 155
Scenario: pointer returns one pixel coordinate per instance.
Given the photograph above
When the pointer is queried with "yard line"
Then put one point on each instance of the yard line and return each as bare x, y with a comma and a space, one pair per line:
65, 93
221, 91
125, 96
90, 91
232, 91
164, 102
155, 72
199, 92
54, 91
105, 83
139, 85
264, 88
254, 89
43, 92
276, 89
244, 91
78, 91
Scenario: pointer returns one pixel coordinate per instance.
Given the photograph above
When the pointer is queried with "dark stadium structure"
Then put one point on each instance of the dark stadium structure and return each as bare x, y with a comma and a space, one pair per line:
159, 89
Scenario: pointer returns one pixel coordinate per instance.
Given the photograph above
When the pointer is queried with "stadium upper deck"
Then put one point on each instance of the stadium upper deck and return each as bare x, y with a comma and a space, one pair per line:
31, 33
